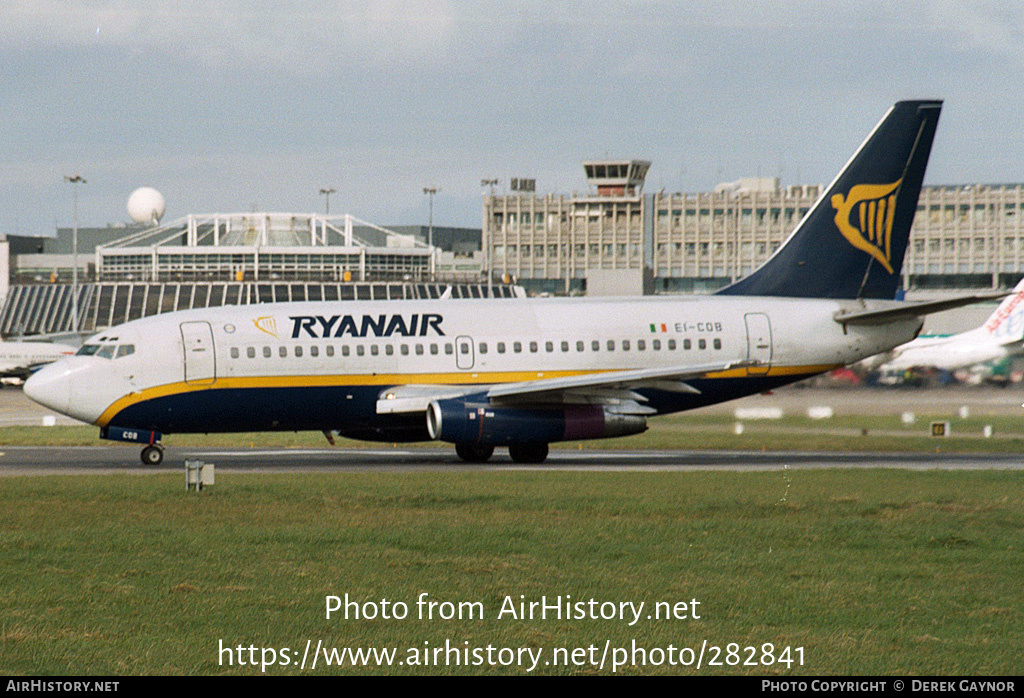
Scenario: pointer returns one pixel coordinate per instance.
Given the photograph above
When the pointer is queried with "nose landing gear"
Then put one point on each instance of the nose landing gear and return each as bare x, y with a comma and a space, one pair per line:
152, 455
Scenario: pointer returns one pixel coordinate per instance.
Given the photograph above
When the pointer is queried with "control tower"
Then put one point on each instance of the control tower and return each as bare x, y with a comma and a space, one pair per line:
616, 177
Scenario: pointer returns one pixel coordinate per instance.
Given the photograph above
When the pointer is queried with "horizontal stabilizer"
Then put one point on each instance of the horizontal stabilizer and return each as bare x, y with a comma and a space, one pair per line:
910, 310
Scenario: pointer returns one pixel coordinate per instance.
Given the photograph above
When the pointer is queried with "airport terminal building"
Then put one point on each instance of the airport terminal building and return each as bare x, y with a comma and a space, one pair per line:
614, 239
199, 261
618, 239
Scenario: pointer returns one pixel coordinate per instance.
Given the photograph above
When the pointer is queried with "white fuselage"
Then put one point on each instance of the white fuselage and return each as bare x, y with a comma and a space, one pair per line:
949, 353
322, 365
18, 358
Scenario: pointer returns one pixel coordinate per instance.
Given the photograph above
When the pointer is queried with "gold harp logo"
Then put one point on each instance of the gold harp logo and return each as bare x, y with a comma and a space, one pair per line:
872, 207
266, 324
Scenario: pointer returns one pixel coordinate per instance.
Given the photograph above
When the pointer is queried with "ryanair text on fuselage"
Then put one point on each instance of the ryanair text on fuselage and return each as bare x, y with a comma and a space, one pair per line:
383, 325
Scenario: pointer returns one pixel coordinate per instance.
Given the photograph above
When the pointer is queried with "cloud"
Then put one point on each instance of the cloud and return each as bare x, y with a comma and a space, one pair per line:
225, 102
239, 33
991, 27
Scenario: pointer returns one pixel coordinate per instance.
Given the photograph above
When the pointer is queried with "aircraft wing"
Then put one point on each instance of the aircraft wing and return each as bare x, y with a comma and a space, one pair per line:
612, 380
608, 387
864, 316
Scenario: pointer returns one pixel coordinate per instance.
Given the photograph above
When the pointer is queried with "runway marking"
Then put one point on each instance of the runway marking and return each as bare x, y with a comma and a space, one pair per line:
95, 460
301, 452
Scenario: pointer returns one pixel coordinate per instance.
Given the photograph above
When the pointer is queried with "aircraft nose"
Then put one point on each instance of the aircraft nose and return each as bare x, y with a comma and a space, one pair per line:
50, 386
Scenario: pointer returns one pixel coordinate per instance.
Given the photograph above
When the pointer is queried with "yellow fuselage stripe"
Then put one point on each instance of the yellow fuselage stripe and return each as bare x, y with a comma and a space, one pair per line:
383, 379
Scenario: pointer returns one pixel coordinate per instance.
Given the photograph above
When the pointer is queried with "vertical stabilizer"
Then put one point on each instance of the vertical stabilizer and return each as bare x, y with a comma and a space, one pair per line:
852, 242
1006, 324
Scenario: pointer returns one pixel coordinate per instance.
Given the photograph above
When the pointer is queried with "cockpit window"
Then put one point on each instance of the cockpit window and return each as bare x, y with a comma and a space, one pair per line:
106, 351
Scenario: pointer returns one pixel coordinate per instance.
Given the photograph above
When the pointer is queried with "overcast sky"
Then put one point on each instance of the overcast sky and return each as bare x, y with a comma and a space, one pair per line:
228, 105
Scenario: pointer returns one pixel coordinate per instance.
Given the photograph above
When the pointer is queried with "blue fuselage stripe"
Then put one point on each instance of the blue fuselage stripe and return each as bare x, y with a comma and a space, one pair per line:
352, 409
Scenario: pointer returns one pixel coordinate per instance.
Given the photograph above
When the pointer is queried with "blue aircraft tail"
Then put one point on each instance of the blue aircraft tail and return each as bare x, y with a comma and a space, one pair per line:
852, 242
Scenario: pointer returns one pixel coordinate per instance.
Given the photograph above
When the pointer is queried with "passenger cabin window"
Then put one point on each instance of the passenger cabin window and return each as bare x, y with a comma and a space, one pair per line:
580, 346
501, 347
250, 352
234, 352
595, 346
687, 345
549, 346
389, 350
282, 352
374, 350
656, 344
611, 345
718, 344
330, 350
533, 347
314, 351
672, 345
702, 344
483, 347
266, 352
517, 347
448, 349
298, 351
419, 350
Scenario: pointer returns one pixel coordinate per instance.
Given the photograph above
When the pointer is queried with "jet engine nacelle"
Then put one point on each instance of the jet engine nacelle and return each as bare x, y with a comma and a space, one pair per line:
457, 421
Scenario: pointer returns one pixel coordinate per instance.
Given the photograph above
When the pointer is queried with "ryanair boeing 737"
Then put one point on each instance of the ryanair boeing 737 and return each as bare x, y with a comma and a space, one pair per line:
521, 373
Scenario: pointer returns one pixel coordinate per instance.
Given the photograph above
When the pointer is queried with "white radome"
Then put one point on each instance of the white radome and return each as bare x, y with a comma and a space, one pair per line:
146, 205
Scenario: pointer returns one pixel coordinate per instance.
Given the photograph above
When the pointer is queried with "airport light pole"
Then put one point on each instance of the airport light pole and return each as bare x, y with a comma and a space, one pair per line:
430, 191
73, 180
327, 191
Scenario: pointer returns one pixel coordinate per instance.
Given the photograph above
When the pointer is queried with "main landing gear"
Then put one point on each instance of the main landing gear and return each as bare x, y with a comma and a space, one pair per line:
474, 453
528, 452
520, 453
153, 455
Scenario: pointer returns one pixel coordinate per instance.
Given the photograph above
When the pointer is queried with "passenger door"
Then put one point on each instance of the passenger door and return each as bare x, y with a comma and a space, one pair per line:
200, 361
759, 342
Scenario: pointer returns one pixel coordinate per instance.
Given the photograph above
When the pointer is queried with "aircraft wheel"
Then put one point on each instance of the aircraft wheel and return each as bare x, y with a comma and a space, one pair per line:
474, 453
152, 455
528, 453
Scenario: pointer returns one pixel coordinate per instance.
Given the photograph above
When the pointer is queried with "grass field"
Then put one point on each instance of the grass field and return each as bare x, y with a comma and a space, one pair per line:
682, 431
877, 572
